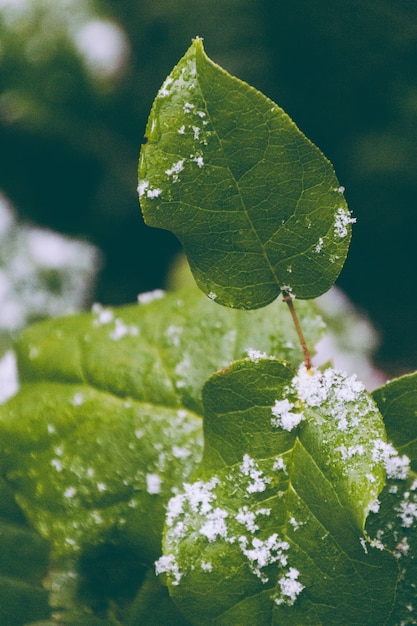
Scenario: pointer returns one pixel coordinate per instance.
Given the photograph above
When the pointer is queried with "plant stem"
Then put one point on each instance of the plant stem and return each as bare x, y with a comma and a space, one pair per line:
286, 296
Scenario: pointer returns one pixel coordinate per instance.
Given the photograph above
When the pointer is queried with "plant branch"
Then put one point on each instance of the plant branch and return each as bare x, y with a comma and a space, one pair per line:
288, 298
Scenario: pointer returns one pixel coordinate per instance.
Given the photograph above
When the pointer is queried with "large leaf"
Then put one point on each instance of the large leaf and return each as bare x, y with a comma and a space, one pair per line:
255, 204
271, 530
108, 421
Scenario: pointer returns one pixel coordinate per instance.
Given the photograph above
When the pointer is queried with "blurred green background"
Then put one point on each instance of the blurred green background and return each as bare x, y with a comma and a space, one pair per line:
77, 80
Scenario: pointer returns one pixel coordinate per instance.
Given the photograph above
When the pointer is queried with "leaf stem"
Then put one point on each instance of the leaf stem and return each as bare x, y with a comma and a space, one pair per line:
288, 298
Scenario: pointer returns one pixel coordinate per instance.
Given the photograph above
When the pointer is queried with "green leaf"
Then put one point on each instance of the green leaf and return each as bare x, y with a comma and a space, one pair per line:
23, 566
394, 525
271, 530
88, 466
154, 607
397, 401
255, 204
107, 422
161, 351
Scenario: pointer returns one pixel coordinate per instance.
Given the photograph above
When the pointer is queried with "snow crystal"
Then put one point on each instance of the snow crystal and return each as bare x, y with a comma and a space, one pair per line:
150, 296
283, 415
145, 189
212, 295
153, 193
188, 107
175, 169
180, 453
256, 355
342, 219
290, 587
199, 160
77, 399
215, 526
57, 464
279, 465
315, 387
206, 566
319, 246
104, 316
250, 468
402, 548
407, 512
164, 91
70, 492
247, 518
168, 565
395, 466
123, 330
375, 506
153, 483
295, 523
262, 553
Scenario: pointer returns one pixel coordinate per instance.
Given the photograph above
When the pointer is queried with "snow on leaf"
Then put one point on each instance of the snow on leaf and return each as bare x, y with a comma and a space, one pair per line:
265, 497
255, 204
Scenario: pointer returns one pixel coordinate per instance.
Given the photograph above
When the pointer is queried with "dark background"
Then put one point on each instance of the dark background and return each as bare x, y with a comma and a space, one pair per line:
346, 72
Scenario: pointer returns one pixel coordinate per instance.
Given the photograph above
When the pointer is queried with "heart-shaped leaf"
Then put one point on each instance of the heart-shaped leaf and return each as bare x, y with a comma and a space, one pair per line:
255, 204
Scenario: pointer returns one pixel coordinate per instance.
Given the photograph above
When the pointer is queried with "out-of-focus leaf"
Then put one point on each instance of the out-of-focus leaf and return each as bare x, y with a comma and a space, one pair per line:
23, 565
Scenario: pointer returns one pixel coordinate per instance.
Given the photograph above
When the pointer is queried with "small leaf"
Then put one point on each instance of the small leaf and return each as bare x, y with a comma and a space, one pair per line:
255, 204
271, 530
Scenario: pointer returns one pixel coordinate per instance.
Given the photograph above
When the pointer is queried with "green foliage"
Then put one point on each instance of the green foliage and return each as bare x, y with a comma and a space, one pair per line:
256, 206
108, 420
178, 464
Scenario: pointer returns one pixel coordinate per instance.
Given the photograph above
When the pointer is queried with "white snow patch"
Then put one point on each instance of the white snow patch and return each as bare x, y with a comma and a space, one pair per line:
258, 481
290, 588
262, 553
153, 483
396, 466
342, 219
168, 565
283, 417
